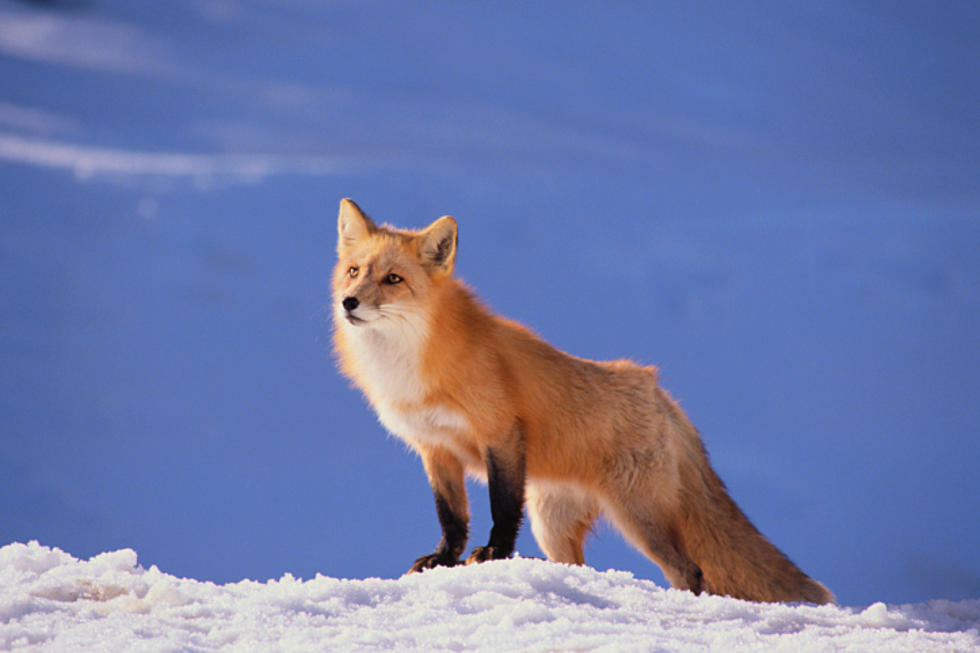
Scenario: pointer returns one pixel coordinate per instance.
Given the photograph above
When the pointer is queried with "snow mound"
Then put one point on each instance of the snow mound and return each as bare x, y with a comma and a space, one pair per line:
53, 601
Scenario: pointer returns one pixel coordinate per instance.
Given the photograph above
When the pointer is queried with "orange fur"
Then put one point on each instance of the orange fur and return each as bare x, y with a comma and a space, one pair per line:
455, 382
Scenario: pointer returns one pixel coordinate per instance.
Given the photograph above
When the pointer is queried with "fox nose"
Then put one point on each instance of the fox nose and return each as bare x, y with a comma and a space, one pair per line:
350, 303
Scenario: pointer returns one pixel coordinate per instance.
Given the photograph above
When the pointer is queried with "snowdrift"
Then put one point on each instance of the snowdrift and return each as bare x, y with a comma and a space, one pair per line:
53, 601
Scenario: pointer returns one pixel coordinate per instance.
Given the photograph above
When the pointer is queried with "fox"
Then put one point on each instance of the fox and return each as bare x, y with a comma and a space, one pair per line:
569, 439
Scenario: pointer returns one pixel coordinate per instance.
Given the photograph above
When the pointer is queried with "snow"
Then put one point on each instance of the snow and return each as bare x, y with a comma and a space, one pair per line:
51, 601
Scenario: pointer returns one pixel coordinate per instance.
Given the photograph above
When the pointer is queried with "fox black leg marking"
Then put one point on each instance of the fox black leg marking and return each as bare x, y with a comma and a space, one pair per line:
505, 476
454, 530
449, 490
454, 534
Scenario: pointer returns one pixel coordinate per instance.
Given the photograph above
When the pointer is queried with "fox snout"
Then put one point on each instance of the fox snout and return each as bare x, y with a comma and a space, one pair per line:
350, 304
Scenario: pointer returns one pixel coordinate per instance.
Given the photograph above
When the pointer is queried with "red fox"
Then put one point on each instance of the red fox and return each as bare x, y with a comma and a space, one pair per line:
570, 438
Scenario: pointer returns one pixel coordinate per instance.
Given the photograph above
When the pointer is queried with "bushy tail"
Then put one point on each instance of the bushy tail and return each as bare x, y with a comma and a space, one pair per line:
735, 558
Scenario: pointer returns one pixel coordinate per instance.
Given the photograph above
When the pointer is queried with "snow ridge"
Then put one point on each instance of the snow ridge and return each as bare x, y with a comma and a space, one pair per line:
53, 601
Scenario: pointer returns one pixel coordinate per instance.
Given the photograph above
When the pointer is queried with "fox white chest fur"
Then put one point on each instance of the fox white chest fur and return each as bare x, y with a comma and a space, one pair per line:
390, 374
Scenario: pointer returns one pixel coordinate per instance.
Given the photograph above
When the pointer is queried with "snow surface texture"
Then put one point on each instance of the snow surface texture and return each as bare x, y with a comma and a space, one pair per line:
53, 601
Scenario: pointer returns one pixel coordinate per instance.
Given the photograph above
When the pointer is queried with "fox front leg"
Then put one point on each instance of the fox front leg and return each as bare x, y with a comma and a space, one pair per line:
446, 478
506, 471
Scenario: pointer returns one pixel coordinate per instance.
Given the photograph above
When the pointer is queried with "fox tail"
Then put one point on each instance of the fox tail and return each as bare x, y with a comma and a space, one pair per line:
735, 558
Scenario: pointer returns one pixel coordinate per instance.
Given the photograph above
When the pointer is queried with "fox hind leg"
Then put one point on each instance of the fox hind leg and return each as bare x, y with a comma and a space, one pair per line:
651, 534
561, 516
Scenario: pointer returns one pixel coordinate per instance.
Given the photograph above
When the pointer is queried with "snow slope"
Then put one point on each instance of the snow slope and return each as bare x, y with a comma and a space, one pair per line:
53, 601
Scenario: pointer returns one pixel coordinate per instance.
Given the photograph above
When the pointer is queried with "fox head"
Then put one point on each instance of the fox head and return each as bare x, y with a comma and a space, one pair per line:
385, 276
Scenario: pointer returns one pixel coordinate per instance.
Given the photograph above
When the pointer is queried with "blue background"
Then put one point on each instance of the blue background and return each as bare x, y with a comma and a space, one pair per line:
774, 202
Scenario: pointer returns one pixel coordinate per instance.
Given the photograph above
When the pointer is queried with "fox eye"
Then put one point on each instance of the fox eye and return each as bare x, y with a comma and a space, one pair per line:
352, 272
392, 279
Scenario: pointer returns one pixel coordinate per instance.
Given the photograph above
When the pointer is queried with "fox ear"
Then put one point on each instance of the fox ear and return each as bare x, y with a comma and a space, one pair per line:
352, 225
437, 245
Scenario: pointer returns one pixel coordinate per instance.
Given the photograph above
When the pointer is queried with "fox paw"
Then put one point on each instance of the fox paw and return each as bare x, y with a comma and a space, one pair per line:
484, 553
433, 560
